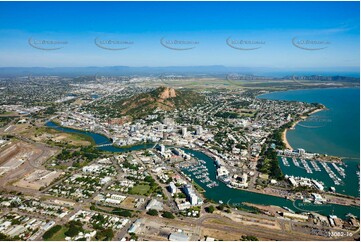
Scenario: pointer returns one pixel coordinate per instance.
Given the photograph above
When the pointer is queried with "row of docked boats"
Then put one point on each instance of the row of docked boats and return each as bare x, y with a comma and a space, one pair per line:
335, 175
331, 174
200, 172
306, 166
285, 161
340, 170
315, 166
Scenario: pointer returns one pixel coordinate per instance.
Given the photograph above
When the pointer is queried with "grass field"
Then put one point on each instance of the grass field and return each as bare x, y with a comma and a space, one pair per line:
141, 189
59, 236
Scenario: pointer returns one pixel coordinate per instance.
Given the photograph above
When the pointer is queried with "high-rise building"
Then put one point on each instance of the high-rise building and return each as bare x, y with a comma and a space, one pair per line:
191, 195
162, 148
199, 130
193, 199
172, 188
184, 132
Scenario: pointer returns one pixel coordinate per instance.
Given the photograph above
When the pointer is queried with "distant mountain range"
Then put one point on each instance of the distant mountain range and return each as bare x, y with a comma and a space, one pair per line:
116, 70
212, 70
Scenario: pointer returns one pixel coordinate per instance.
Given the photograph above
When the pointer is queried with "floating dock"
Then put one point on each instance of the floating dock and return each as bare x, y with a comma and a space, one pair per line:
340, 170
285, 161
331, 174
315, 166
306, 166
295, 162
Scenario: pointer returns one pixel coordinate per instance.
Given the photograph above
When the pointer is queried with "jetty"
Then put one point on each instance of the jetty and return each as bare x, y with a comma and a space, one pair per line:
306, 166
315, 166
331, 174
295, 162
285, 161
340, 170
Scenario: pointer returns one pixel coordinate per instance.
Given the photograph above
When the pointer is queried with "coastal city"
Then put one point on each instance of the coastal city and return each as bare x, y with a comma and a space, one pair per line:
180, 120
101, 157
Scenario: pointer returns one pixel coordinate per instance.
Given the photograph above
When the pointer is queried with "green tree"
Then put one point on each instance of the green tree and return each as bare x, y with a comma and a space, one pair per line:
3, 237
48, 234
74, 228
168, 215
152, 212
106, 234
249, 238
122, 212
210, 209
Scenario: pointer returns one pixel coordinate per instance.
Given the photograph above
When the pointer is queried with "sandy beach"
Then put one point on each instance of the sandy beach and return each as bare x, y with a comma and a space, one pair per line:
284, 134
284, 138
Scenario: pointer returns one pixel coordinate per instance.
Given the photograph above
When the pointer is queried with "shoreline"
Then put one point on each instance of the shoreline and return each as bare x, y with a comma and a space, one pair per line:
284, 133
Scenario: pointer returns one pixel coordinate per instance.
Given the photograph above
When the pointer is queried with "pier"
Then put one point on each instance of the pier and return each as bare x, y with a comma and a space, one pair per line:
295, 162
331, 174
340, 170
306, 166
285, 161
358, 176
315, 166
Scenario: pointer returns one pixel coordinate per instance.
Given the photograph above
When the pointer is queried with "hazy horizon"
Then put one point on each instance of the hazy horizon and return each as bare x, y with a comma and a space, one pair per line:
182, 70
294, 35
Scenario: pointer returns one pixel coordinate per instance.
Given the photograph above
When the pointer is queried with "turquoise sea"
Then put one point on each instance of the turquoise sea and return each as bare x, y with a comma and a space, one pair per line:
335, 131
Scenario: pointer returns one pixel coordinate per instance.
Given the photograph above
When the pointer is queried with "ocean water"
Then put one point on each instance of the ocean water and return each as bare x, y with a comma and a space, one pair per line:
335, 131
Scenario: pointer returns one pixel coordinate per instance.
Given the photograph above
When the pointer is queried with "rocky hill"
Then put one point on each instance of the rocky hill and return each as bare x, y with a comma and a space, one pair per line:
163, 98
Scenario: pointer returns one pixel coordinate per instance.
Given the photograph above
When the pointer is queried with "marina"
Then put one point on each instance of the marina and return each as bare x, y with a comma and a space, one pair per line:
340, 170
341, 139
306, 166
331, 174
200, 172
295, 162
285, 161
315, 166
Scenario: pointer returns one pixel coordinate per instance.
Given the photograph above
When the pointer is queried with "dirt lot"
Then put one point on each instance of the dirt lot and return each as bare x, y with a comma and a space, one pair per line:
128, 203
225, 229
222, 227
157, 228
30, 156
44, 134
37, 179
220, 234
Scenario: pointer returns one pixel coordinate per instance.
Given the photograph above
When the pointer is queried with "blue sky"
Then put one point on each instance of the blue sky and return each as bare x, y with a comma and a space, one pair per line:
276, 25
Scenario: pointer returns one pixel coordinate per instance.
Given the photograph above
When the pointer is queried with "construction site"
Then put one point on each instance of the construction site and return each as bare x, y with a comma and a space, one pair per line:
21, 163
